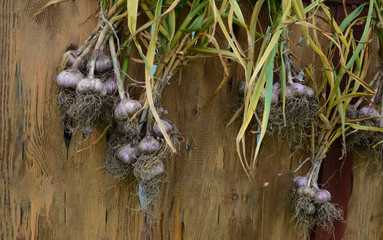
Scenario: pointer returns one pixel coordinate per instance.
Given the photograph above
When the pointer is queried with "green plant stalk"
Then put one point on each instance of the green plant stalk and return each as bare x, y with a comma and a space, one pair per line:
325, 134
350, 63
213, 51
151, 22
116, 7
163, 27
148, 60
186, 22
283, 81
126, 63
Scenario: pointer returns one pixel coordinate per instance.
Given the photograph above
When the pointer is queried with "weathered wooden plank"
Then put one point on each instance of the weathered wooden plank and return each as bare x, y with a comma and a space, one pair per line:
208, 191
46, 194
364, 214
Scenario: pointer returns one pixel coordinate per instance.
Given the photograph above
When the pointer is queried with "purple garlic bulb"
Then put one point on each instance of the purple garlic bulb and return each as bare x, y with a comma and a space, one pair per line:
276, 86
111, 85
368, 111
289, 92
309, 192
298, 88
301, 181
93, 85
127, 129
322, 196
72, 57
69, 78
309, 92
102, 64
306, 191
167, 126
148, 145
127, 154
126, 108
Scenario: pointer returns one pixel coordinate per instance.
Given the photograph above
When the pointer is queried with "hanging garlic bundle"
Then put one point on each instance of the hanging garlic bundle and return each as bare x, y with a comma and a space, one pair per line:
85, 97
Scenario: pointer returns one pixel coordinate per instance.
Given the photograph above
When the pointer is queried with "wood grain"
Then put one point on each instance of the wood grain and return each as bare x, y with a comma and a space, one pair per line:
48, 194
365, 213
45, 194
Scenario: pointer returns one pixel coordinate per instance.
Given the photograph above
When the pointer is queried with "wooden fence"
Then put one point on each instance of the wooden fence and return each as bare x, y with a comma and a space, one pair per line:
45, 193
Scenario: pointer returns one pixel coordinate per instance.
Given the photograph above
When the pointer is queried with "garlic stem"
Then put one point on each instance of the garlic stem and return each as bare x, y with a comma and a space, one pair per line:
89, 39
82, 55
115, 7
288, 68
117, 69
96, 52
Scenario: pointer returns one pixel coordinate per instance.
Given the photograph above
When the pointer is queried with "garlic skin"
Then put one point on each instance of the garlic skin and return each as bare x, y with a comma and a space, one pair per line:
276, 86
69, 78
103, 63
276, 90
72, 57
298, 88
369, 111
310, 209
149, 173
126, 154
148, 145
300, 190
126, 108
309, 92
308, 192
111, 85
93, 85
127, 129
241, 87
322, 196
301, 181
311, 193
289, 93
274, 95
167, 126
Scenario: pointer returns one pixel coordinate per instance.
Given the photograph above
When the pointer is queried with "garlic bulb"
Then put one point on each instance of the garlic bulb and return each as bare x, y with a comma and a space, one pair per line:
148, 145
167, 126
289, 93
298, 88
322, 196
69, 78
149, 173
309, 92
126, 108
111, 85
102, 64
127, 129
93, 85
127, 154
368, 111
300, 181
72, 57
